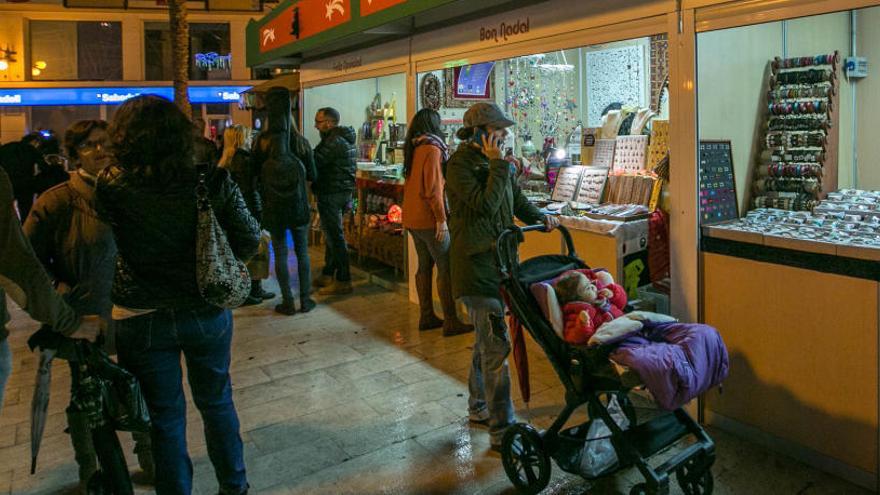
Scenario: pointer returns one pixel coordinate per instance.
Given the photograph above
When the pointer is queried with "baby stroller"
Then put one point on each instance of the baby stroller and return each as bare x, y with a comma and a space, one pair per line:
588, 378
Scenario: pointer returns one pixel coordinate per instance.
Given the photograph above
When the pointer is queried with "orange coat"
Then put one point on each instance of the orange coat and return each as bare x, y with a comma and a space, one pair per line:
425, 190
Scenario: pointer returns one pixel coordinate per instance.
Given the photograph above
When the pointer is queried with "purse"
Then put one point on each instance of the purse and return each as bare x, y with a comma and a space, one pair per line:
223, 279
109, 392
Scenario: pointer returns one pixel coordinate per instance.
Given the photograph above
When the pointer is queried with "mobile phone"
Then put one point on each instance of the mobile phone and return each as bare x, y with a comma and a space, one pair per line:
478, 136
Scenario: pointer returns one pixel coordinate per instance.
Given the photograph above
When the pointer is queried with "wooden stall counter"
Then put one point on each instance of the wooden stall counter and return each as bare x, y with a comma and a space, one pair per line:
801, 327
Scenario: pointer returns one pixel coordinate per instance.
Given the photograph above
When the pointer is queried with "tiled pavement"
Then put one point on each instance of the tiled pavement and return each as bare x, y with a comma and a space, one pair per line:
351, 398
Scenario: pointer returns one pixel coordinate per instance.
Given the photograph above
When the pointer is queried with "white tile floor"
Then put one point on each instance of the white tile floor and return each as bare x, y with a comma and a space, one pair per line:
351, 398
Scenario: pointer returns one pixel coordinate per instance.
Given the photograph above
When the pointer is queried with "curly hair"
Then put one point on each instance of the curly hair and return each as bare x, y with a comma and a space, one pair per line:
153, 139
77, 133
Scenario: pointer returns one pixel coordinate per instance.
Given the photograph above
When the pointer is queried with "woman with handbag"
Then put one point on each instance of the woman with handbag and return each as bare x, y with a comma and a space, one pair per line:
176, 229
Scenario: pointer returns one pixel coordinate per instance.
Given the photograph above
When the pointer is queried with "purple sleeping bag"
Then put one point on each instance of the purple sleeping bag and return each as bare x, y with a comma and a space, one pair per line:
676, 361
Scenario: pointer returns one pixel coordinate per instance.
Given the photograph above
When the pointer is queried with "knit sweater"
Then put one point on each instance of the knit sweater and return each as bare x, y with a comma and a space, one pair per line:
423, 196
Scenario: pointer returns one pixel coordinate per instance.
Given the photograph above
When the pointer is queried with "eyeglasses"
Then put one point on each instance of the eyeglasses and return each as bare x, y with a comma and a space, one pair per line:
92, 144
319, 122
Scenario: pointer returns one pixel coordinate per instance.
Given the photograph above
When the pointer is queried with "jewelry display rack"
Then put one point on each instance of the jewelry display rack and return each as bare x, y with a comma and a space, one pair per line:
798, 165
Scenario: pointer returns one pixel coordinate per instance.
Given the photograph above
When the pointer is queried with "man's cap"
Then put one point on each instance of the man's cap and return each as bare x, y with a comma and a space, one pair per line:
486, 114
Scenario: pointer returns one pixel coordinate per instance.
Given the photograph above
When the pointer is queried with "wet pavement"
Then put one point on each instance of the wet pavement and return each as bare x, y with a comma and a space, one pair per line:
352, 399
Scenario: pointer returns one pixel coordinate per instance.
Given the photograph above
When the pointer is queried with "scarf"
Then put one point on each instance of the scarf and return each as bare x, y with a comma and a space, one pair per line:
433, 140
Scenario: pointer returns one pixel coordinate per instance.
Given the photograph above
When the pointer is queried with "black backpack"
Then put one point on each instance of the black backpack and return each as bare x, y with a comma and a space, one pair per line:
283, 178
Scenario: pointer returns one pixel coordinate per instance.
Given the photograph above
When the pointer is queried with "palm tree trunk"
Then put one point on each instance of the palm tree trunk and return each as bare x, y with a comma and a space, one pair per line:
180, 53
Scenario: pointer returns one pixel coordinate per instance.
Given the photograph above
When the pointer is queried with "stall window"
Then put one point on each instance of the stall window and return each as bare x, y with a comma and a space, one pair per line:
81, 50
787, 117
591, 140
209, 58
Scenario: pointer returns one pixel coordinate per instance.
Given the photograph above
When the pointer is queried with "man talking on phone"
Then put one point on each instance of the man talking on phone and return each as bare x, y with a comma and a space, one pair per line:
483, 200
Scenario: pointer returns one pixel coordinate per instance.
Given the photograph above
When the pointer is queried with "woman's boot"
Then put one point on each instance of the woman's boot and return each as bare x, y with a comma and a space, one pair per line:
424, 287
451, 324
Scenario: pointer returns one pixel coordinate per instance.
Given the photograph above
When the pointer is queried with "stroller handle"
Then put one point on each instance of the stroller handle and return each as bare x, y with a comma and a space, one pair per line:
506, 252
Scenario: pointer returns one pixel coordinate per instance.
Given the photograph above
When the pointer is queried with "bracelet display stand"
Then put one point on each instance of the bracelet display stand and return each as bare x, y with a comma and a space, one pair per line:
798, 165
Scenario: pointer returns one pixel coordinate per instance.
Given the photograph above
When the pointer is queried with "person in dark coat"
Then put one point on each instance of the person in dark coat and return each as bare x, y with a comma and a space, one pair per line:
237, 160
79, 253
22, 160
148, 197
336, 162
285, 161
483, 200
24, 279
53, 168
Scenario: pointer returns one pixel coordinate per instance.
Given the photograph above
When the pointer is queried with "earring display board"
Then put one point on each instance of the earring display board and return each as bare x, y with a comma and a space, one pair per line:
567, 183
630, 153
797, 164
603, 155
659, 146
592, 185
717, 184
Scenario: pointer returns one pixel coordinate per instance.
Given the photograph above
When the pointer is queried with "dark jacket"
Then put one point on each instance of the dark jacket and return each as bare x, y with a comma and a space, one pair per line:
76, 247
23, 277
248, 180
284, 162
336, 161
483, 199
155, 231
21, 162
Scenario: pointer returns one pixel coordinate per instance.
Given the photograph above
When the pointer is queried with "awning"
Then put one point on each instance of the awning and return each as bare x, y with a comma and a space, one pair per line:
253, 98
303, 30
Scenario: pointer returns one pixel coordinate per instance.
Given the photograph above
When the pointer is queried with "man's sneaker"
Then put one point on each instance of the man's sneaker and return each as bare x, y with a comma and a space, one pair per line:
337, 288
322, 281
480, 417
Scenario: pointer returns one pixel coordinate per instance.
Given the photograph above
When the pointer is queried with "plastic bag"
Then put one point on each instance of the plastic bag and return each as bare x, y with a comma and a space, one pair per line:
598, 454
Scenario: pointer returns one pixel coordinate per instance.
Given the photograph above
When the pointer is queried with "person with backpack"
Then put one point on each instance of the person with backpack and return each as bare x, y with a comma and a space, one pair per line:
285, 163
336, 161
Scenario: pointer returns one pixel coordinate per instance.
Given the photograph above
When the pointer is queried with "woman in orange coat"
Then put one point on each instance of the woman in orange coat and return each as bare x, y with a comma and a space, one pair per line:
424, 216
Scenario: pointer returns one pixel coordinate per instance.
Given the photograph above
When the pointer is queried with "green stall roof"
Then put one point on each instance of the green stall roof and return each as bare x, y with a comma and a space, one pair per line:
301, 30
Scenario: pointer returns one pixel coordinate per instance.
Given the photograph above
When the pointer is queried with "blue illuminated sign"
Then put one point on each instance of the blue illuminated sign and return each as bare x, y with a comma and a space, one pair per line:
112, 96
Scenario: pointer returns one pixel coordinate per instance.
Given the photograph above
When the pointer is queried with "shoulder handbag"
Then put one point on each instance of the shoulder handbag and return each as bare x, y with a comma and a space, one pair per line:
223, 279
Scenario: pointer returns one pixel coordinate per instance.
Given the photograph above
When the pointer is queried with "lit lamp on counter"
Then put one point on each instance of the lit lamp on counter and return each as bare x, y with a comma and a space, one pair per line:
7, 55
38, 68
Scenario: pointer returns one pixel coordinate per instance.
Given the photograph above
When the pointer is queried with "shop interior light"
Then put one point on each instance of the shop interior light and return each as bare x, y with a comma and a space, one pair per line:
7, 56
36, 72
39, 64
542, 65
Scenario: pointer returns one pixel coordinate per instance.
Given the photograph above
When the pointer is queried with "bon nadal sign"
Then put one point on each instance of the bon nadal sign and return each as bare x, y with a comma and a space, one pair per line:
307, 18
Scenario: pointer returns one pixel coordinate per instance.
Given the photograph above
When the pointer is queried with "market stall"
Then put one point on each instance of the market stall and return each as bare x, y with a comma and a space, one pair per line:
791, 231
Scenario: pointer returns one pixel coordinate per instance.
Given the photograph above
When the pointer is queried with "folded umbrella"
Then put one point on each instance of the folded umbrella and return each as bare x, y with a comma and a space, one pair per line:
40, 402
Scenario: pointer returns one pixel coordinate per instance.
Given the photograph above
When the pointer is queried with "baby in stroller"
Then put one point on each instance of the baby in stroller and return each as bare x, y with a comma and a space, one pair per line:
577, 316
589, 299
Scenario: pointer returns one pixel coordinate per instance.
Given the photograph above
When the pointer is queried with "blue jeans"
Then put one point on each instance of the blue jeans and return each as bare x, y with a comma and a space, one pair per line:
303, 265
489, 381
150, 347
5, 365
331, 208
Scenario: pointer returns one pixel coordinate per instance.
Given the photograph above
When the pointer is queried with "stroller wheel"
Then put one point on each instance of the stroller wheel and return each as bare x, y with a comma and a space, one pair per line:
525, 461
695, 478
